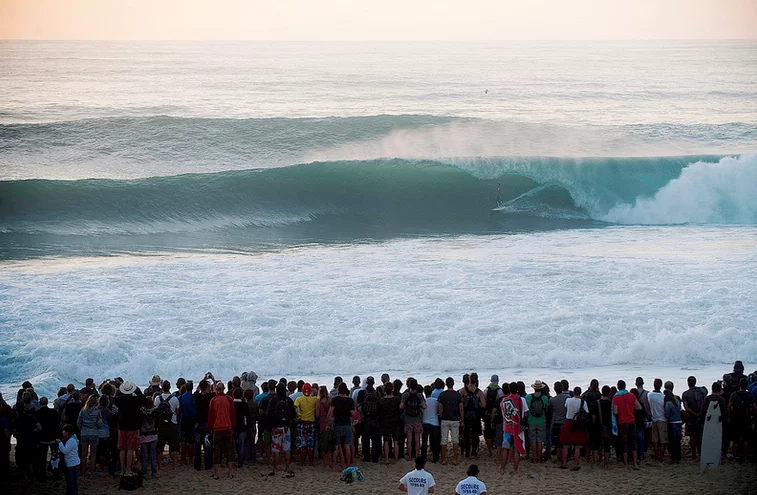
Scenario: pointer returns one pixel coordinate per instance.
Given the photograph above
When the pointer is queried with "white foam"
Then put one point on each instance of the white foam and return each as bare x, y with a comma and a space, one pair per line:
560, 301
723, 192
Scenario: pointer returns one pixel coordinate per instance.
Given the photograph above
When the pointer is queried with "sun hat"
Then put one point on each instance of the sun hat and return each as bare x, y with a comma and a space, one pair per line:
127, 388
156, 381
538, 385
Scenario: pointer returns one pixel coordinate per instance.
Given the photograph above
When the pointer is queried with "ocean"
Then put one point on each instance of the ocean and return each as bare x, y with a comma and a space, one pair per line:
313, 209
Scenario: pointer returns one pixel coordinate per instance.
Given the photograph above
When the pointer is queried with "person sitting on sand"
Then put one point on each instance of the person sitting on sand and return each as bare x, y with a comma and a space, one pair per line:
418, 481
471, 485
222, 422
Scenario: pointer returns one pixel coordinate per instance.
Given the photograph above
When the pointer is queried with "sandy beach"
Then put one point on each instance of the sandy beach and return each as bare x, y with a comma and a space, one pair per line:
530, 479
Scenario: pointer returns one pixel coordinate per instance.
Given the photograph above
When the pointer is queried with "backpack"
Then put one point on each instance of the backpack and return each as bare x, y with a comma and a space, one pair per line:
491, 399
536, 408
413, 405
163, 411
370, 404
130, 481
470, 405
742, 405
581, 418
281, 412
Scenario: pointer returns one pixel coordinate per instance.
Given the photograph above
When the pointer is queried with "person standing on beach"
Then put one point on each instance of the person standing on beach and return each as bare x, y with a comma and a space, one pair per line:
493, 392
514, 411
451, 403
419, 481
432, 431
129, 405
68, 446
167, 415
471, 485
592, 396
557, 410
741, 411
659, 423
368, 404
624, 404
692, 399
202, 398
413, 404
335, 391
306, 406
221, 423
342, 411
474, 402
389, 421
675, 425
537, 420
574, 431
281, 414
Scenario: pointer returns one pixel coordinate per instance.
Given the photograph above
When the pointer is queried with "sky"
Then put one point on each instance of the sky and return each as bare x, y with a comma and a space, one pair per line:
377, 19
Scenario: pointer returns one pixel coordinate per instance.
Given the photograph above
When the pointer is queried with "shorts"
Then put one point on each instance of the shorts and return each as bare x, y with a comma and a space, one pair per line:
90, 440
660, 432
327, 442
281, 440
412, 429
556, 429
223, 445
693, 430
390, 434
450, 427
304, 439
740, 431
343, 435
187, 430
507, 441
168, 433
537, 433
128, 439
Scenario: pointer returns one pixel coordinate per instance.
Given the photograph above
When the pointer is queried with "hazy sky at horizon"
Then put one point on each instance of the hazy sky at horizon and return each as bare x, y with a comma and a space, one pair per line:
377, 20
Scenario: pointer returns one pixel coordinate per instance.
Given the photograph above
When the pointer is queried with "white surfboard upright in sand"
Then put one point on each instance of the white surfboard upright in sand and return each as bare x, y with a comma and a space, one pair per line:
712, 437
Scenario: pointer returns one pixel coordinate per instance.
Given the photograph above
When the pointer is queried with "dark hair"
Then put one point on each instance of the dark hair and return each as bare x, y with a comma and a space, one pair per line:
427, 390
716, 387
450, 382
236, 381
657, 383
565, 384
264, 386
639, 381
337, 381
576, 391
412, 384
692, 381
473, 470
108, 389
621, 385
61, 391
388, 388
635, 392
356, 380
67, 428
204, 384
180, 382
420, 462
183, 389
606, 391
237, 393
473, 378
558, 388
104, 401
513, 388
397, 386
300, 384
438, 383
521, 388
292, 386
343, 389
743, 383
166, 386
594, 383
506, 388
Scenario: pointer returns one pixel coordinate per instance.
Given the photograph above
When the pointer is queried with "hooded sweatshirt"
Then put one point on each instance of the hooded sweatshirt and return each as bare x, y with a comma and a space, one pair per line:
249, 380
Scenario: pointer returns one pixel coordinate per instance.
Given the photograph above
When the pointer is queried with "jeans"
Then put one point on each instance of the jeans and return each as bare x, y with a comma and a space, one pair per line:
72, 481
241, 447
252, 446
40, 467
201, 429
641, 436
471, 437
152, 449
435, 435
371, 441
674, 439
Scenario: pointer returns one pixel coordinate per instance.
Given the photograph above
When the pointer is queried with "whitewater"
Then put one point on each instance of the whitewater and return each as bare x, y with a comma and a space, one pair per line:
330, 208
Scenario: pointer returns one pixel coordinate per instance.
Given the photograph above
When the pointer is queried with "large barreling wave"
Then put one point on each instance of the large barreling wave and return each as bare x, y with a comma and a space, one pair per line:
257, 182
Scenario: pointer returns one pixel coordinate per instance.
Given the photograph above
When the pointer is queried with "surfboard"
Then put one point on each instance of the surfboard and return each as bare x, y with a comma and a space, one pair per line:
712, 437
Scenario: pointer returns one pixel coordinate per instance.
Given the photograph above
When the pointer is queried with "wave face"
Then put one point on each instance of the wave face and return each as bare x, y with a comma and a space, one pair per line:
349, 200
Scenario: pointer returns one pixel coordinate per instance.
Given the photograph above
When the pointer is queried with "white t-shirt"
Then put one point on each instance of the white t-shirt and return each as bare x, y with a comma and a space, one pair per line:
173, 402
430, 414
418, 482
470, 486
572, 406
657, 405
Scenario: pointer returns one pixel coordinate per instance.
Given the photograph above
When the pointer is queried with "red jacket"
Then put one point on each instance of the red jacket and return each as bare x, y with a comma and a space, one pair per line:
221, 415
